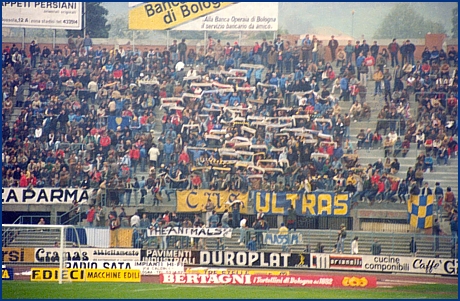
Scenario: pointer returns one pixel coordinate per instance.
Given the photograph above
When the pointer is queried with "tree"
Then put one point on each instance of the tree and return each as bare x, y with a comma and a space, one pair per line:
96, 21
119, 29
404, 22
455, 23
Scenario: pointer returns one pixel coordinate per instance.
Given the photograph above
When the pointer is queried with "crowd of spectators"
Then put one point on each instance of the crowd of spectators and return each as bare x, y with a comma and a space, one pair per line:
233, 118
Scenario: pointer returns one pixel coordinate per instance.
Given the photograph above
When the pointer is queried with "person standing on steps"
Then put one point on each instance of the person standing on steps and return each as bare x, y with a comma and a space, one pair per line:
413, 247
354, 246
376, 248
393, 48
333, 45
341, 239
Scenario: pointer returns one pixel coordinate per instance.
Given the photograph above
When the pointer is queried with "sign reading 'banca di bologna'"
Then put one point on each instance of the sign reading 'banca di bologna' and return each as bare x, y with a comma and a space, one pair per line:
228, 16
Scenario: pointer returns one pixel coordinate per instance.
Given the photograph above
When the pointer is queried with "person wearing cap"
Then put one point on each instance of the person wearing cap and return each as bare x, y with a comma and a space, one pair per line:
342, 234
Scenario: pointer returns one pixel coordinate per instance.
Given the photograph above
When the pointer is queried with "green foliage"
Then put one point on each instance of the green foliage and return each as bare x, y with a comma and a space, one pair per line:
96, 21
119, 30
455, 23
404, 22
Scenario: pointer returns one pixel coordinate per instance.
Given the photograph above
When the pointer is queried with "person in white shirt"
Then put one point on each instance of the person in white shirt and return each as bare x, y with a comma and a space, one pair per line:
191, 72
154, 152
243, 229
354, 246
135, 220
393, 136
38, 132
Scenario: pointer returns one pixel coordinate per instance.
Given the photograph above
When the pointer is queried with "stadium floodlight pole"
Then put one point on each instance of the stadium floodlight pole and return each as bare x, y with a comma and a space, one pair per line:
84, 19
133, 41
352, 21
23, 37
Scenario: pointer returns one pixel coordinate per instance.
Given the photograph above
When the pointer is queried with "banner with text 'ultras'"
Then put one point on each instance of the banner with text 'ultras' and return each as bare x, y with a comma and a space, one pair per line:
320, 203
195, 200
166, 15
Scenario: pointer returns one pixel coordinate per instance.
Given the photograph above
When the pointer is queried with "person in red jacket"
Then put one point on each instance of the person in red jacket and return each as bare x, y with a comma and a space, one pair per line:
90, 214
184, 157
105, 142
375, 178
135, 155
23, 182
380, 191
369, 61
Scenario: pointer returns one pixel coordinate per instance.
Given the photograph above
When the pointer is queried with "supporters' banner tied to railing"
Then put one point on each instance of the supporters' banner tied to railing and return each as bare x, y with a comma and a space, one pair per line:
309, 204
195, 200
282, 239
166, 15
420, 211
113, 122
191, 232
21, 196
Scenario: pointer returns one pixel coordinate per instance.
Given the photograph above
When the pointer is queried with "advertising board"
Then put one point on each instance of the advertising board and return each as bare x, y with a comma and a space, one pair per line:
82, 275
51, 255
51, 15
179, 256
14, 254
371, 263
352, 281
242, 16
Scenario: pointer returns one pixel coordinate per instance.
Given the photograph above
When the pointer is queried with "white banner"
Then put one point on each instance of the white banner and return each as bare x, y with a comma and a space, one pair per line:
419, 265
157, 268
279, 239
243, 16
51, 255
179, 256
191, 232
46, 196
146, 267
399, 264
52, 15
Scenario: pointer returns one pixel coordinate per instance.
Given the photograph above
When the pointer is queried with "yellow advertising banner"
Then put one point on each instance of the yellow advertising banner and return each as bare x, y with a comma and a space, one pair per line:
88, 275
195, 200
166, 15
18, 254
52, 274
109, 275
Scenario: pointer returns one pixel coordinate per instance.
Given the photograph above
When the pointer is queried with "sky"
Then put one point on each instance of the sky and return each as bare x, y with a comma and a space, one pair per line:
299, 17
